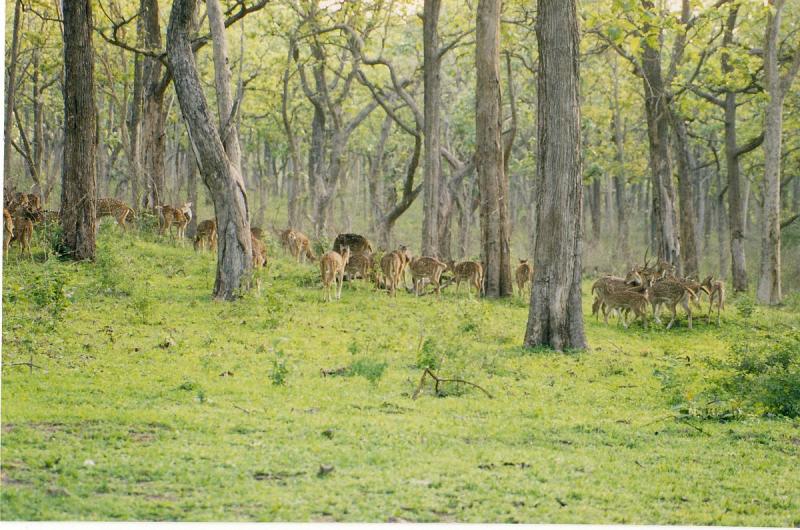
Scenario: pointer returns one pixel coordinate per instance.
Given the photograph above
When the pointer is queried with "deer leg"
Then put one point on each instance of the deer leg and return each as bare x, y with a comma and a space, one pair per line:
674, 316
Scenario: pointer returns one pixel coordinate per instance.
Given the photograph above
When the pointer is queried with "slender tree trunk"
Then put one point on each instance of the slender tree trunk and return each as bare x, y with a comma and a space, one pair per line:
619, 174
556, 317
686, 177
11, 83
153, 140
191, 188
234, 252
432, 105
293, 176
769, 281
78, 180
492, 181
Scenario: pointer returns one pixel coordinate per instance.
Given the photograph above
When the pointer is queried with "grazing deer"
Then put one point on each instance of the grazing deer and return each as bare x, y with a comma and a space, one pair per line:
392, 268
177, 215
359, 265
715, 290
469, 271
523, 275
670, 292
624, 300
425, 267
109, 206
331, 267
606, 284
8, 229
358, 244
206, 235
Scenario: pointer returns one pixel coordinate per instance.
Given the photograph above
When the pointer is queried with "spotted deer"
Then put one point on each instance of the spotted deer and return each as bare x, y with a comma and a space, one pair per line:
23, 219
109, 206
716, 290
523, 275
357, 244
392, 268
259, 254
624, 301
206, 235
359, 266
670, 292
300, 247
425, 267
8, 229
177, 215
331, 267
468, 271
607, 284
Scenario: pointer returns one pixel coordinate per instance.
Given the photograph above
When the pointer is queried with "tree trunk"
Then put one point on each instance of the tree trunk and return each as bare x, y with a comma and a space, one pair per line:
191, 188
619, 174
432, 162
293, 176
556, 317
78, 180
11, 83
234, 252
664, 219
492, 181
686, 177
769, 281
153, 141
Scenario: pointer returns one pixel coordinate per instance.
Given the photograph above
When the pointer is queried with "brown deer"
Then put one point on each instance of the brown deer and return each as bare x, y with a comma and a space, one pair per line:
670, 292
523, 275
425, 267
715, 290
468, 271
257, 232
623, 301
206, 235
23, 219
606, 284
177, 215
109, 206
358, 244
259, 252
392, 268
8, 229
359, 265
300, 247
331, 267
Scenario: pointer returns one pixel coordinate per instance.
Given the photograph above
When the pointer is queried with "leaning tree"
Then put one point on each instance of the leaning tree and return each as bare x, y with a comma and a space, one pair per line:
220, 175
556, 318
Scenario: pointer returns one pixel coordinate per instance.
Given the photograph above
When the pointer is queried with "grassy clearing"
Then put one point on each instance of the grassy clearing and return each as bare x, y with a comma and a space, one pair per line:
155, 402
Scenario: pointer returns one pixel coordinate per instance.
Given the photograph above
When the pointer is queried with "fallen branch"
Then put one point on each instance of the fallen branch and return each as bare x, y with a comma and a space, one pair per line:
241, 408
28, 364
438, 380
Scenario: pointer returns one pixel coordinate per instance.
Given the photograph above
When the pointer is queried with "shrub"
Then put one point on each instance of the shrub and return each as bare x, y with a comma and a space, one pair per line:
369, 369
279, 370
428, 356
746, 306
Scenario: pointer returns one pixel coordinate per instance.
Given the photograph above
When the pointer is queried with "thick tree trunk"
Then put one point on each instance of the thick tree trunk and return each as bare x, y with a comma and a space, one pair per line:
432, 161
234, 253
686, 177
11, 83
492, 181
556, 317
78, 180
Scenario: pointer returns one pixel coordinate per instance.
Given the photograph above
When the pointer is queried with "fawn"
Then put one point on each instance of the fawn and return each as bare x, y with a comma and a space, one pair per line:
206, 235
331, 267
109, 206
469, 271
427, 268
523, 275
177, 215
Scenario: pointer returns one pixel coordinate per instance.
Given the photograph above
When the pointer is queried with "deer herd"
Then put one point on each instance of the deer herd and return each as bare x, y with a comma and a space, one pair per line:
353, 257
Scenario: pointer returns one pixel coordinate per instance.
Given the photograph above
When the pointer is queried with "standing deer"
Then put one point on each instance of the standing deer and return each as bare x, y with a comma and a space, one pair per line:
331, 267
523, 275
206, 235
670, 292
177, 215
427, 268
109, 206
392, 268
715, 289
8, 229
469, 271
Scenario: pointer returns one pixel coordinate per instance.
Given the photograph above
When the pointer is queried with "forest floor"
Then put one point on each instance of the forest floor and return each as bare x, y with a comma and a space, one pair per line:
150, 401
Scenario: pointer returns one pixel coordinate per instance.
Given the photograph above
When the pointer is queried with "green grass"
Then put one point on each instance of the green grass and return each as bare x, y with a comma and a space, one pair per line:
154, 402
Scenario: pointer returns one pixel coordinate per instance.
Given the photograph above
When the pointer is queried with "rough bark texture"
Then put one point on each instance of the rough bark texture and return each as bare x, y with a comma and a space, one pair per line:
222, 82
78, 179
686, 177
619, 174
11, 82
664, 219
153, 141
432, 161
222, 178
292, 176
556, 317
769, 281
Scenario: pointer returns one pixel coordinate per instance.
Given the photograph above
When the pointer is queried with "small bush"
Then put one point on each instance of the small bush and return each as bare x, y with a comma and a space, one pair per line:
746, 306
369, 369
279, 370
428, 356
47, 295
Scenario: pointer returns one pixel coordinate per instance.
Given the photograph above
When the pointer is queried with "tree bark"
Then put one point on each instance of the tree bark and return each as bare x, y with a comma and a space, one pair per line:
11, 83
686, 177
234, 252
431, 109
153, 140
777, 85
619, 174
78, 179
556, 317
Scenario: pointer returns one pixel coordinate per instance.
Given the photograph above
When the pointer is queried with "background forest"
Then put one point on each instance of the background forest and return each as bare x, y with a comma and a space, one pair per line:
352, 161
